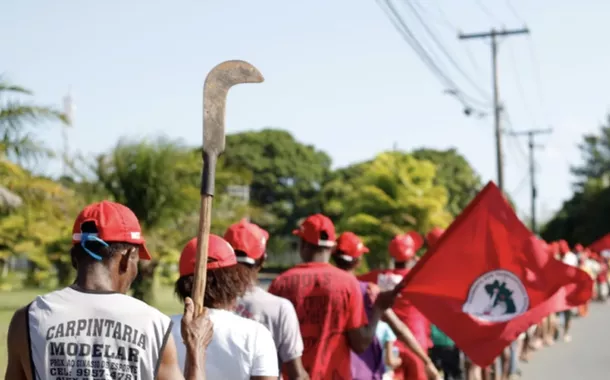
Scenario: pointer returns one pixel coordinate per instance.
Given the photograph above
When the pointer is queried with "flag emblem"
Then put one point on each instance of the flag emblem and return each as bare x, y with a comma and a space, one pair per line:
496, 296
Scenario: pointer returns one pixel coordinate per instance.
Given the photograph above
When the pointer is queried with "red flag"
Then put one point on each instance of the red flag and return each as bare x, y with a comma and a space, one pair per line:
601, 246
489, 278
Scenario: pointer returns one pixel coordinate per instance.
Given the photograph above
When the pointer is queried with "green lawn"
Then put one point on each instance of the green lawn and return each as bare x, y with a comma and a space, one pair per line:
11, 301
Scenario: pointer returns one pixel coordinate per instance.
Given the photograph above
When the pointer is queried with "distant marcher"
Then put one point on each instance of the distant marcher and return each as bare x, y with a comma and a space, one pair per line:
402, 249
328, 303
371, 364
92, 329
569, 258
391, 357
249, 242
241, 349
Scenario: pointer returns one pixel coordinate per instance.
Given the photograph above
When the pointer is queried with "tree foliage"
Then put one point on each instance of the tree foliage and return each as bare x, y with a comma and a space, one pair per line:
584, 217
595, 152
17, 118
453, 173
390, 195
40, 229
286, 175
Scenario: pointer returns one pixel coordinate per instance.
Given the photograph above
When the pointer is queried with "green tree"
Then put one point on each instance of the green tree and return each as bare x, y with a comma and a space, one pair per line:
454, 173
159, 180
286, 175
595, 151
583, 218
17, 117
392, 194
40, 229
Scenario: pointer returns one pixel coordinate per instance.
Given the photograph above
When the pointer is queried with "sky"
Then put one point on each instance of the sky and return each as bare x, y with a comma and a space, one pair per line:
338, 75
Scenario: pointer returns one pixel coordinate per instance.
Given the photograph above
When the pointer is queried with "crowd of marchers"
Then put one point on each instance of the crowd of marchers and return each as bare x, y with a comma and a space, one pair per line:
317, 320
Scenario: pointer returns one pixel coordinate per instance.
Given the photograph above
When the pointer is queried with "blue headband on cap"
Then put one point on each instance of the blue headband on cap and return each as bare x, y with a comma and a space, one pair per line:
87, 236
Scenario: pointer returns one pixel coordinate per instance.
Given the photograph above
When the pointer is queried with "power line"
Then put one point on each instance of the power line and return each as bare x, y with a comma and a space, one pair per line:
441, 17
488, 12
443, 49
520, 186
444, 21
424, 55
537, 77
512, 10
519, 84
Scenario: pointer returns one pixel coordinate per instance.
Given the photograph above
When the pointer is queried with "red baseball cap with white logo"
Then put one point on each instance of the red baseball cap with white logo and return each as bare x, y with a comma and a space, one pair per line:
114, 223
433, 236
248, 238
220, 255
312, 228
350, 247
404, 246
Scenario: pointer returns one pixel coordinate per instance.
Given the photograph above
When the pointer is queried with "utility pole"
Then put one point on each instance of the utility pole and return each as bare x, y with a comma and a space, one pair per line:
494, 34
531, 134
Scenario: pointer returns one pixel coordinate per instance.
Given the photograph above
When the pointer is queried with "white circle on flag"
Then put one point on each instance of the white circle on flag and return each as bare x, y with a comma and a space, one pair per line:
388, 281
496, 296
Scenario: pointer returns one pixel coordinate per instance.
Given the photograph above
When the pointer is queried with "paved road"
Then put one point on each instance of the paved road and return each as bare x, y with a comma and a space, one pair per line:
586, 357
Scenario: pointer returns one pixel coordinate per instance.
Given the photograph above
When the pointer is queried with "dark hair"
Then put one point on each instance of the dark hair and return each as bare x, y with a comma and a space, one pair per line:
222, 287
343, 264
79, 254
257, 263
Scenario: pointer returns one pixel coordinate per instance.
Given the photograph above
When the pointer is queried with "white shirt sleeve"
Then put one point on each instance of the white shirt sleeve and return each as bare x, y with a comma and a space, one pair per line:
264, 361
290, 345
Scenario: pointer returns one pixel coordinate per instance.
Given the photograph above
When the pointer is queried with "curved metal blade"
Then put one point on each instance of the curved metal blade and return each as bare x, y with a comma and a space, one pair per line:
217, 84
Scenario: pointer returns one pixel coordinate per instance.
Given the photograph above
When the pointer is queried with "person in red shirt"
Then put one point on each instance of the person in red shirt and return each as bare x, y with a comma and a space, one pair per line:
402, 249
370, 364
328, 303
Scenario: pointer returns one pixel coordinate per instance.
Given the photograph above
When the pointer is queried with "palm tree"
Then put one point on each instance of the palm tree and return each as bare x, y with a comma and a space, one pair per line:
16, 117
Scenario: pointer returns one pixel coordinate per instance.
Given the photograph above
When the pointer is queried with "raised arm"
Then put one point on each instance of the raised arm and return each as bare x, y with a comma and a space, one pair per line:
197, 334
18, 367
169, 368
405, 335
360, 338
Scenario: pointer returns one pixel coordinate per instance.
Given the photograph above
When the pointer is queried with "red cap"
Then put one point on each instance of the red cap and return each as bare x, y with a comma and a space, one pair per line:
350, 246
220, 255
114, 223
248, 238
403, 247
433, 236
313, 226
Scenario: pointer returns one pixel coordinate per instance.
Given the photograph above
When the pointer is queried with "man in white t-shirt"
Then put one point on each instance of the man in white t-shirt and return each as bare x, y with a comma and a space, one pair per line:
568, 258
241, 349
250, 242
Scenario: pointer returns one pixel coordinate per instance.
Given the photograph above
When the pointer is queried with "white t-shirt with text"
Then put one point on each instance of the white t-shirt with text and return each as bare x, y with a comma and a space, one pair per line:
279, 316
240, 347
